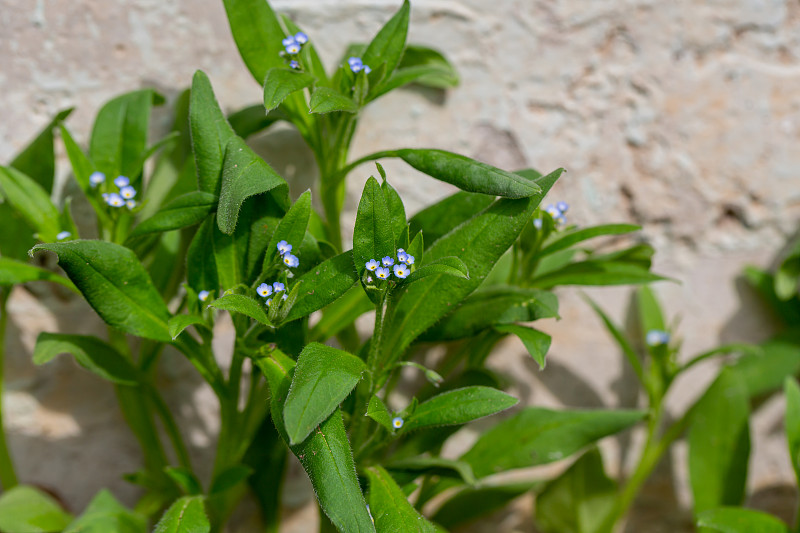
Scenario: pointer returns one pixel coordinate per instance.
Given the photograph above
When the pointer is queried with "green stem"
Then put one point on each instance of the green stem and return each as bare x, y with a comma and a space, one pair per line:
173, 432
368, 386
8, 478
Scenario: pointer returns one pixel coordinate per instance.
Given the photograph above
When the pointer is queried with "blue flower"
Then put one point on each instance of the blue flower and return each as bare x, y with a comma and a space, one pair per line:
96, 179
269, 301
284, 247
383, 273
401, 271
293, 48
402, 255
562, 206
63, 235
357, 66
285, 296
371, 265
656, 337
387, 261
301, 37
121, 181
409, 260
397, 422
288, 40
127, 192
537, 223
115, 200
290, 260
203, 295
294, 64
130, 204
264, 290
278, 286
553, 211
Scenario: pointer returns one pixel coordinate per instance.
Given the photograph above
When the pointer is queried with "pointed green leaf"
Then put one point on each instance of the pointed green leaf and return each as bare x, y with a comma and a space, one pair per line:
245, 305
438, 219
449, 266
341, 313
327, 100
423, 66
564, 239
244, 174
719, 443
281, 82
90, 352
257, 33
536, 342
105, 514
473, 502
201, 268
210, 133
252, 119
323, 378
434, 466
37, 159
538, 436
388, 45
372, 235
25, 509
178, 323
185, 479
115, 284
291, 228
82, 168
397, 211
31, 201
459, 407
184, 211
13, 272
378, 411
186, 515
740, 520
324, 284
390, 507
597, 272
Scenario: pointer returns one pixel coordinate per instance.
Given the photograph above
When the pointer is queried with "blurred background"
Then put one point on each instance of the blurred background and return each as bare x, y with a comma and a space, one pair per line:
683, 117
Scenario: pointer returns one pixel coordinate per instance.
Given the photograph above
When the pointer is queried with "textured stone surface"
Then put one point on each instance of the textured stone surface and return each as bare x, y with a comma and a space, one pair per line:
680, 116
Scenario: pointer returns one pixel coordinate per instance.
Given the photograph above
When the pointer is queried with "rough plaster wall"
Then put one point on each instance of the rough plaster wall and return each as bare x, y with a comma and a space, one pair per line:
680, 116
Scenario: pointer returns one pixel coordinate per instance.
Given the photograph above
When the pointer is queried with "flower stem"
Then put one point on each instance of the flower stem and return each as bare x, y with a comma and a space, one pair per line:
8, 478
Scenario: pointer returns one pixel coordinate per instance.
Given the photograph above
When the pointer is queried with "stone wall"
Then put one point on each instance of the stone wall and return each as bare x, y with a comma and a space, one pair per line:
681, 116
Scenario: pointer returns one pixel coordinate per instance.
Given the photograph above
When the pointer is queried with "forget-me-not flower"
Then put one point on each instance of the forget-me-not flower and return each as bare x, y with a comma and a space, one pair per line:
387, 261
278, 286
121, 181
382, 273
284, 247
294, 64
264, 290
397, 422
115, 200
290, 260
656, 337
356, 65
63, 235
562, 206
127, 192
537, 223
409, 260
96, 179
401, 271
402, 255
301, 37
130, 204
293, 48
203, 295
288, 40
371, 265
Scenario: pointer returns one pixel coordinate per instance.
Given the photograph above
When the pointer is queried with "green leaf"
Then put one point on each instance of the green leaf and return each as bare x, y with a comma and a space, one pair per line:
325, 455
388, 45
90, 352
650, 315
791, 392
252, 119
538, 436
229, 478
244, 174
423, 66
31, 201
459, 407
438, 219
341, 313
449, 266
496, 305
397, 211
719, 443
119, 135
105, 514
201, 267
178, 323
281, 82
597, 272
186, 515
257, 33
390, 507
468, 174
37, 159
82, 168
323, 378
473, 502
372, 235
245, 305
210, 132
378, 411
13, 272
184, 211
579, 500
327, 100
621, 339
536, 342
564, 239
324, 284
115, 284
185, 479
740, 520
434, 466
25, 509
291, 228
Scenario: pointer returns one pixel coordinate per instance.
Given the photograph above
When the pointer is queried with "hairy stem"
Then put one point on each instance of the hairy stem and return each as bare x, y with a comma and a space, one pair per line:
8, 478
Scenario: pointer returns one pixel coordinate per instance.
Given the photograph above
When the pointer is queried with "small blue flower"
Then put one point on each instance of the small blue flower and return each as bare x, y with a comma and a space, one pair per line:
105, 197
288, 40
96, 179
285, 296
383, 273
537, 223
402, 255
371, 265
203, 295
561, 221
115, 200
284, 247
63, 235
409, 260
290, 260
130, 204
387, 261
294, 64
269, 301
278, 286
562, 206
357, 66
553, 211
397, 422
656, 337
401, 271
264, 290
301, 37
293, 48
121, 181
127, 192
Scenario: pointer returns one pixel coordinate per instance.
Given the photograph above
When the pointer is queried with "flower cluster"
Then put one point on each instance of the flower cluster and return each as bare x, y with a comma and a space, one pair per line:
402, 269
265, 290
558, 212
656, 337
125, 195
293, 44
356, 65
285, 249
